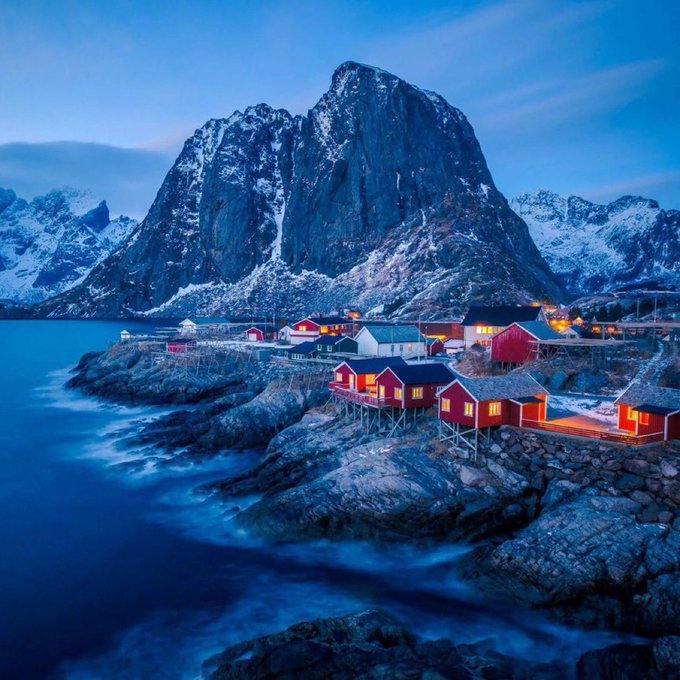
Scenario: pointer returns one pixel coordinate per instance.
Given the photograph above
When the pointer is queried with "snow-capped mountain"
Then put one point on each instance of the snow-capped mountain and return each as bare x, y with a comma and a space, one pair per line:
380, 195
52, 243
593, 248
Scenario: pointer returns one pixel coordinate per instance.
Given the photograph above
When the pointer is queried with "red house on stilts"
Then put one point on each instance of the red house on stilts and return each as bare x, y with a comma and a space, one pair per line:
470, 405
650, 413
180, 345
412, 385
516, 344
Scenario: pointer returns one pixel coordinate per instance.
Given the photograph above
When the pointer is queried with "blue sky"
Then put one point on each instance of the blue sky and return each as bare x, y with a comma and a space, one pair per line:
579, 97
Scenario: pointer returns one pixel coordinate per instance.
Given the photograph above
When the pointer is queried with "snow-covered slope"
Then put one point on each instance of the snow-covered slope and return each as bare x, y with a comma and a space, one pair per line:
52, 243
593, 248
379, 195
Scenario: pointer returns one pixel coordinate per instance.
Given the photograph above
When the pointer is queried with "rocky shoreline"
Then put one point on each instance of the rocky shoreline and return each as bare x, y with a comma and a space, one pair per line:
589, 533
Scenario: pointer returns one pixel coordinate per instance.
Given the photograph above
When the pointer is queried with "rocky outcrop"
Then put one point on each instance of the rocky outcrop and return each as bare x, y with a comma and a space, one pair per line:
368, 644
594, 248
320, 480
129, 374
380, 195
591, 559
50, 244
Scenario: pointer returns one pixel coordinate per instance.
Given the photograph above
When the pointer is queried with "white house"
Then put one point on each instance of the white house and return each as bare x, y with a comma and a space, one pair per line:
482, 323
391, 341
453, 345
187, 327
284, 333
124, 336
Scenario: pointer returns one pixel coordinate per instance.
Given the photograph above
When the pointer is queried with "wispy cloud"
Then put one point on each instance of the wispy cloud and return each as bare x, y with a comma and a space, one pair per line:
650, 184
554, 101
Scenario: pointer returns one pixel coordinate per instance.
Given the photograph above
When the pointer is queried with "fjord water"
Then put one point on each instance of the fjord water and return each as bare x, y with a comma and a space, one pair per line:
111, 570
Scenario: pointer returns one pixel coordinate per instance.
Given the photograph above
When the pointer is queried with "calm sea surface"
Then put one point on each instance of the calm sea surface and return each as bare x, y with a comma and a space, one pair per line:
111, 566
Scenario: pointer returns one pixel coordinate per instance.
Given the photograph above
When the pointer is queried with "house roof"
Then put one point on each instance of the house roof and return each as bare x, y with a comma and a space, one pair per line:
502, 315
540, 330
577, 329
651, 396
389, 334
331, 339
510, 386
377, 365
431, 341
187, 322
303, 348
326, 320
422, 374
264, 327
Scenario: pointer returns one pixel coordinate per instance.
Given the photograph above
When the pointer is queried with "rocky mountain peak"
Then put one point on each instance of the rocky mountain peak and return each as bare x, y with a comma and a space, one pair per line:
262, 196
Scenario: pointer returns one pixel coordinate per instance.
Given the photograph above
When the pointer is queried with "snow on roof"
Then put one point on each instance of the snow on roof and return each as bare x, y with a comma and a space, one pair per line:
510, 386
651, 395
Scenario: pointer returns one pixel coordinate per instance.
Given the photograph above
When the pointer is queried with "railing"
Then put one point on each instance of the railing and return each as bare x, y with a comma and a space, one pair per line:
606, 435
355, 397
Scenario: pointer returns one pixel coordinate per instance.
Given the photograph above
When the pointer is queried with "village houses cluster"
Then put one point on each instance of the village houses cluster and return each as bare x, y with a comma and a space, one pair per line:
388, 375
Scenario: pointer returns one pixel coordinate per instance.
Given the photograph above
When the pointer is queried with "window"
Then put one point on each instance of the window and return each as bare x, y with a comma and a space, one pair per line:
630, 414
409, 347
401, 349
338, 376
324, 329
468, 408
446, 405
397, 393
370, 379
485, 330
302, 327
319, 348
381, 391
644, 418
495, 408
417, 392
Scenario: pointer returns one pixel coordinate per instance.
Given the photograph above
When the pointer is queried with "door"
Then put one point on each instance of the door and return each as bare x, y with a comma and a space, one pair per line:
381, 391
351, 381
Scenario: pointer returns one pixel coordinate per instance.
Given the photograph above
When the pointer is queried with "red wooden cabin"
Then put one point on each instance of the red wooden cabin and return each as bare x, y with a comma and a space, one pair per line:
516, 344
649, 411
434, 346
412, 385
179, 345
491, 401
359, 375
261, 332
313, 326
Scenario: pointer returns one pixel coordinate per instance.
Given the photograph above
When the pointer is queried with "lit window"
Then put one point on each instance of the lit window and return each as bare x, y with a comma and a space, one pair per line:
338, 377
303, 327
630, 414
468, 408
370, 379
397, 393
495, 408
409, 346
381, 391
644, 418
324, 329
417, 392
446, 405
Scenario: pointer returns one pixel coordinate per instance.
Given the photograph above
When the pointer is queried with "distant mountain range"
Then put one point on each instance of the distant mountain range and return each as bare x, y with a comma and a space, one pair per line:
594, 248
53, 242
379, 197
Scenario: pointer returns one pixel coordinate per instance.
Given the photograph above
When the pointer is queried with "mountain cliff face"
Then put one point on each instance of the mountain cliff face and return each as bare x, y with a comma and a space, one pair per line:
52, 243
379, 194
593, 248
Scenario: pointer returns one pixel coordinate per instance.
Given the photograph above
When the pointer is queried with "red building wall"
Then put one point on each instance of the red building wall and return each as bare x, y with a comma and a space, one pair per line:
656, 423
457, 395
435, 348
623, 422
344, 371
674, 426
388, 381
512, 345
487, 420
259, 335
